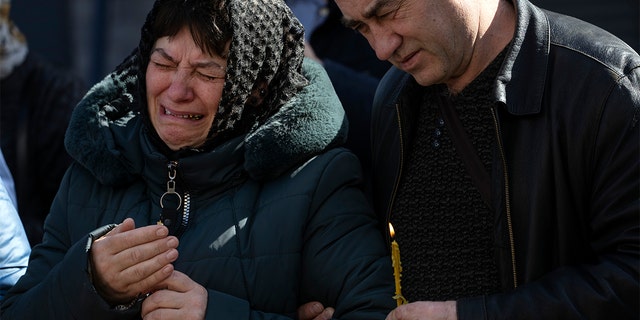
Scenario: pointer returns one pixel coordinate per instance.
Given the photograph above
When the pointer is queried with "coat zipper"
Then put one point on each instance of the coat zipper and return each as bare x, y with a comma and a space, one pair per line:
184, 202
507, 201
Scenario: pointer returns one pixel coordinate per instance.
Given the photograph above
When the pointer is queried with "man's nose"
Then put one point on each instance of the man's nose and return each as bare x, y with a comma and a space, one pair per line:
383, 41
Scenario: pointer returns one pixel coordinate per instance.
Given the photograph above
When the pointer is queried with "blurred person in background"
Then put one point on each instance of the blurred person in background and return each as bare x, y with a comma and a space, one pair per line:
14, 246
36, 101
351, 64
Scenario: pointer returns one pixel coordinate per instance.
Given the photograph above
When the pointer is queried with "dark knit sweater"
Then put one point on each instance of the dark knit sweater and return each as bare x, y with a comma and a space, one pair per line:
443, 227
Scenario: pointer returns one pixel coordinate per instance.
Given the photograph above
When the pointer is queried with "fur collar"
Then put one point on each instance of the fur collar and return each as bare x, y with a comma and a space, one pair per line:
106, 125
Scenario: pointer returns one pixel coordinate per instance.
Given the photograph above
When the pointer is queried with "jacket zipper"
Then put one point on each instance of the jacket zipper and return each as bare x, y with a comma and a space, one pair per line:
186, 211
507, 200
184, 201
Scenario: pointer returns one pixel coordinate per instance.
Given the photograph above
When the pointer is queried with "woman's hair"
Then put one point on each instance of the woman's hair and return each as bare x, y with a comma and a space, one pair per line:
208, 22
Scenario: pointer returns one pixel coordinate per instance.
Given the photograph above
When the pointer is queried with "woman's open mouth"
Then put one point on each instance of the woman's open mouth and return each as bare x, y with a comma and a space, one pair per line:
189, 116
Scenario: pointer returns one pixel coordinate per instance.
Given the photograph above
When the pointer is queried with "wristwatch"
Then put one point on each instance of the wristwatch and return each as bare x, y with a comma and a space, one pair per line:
97, 234
93, 236
138, 298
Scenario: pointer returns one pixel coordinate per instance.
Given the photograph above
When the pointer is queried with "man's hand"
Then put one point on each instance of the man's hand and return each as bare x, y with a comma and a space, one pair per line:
177, 298
314, 311
127, 261
420, 310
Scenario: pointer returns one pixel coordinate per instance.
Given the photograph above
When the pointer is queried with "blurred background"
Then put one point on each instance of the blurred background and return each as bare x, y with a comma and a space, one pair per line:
91, 37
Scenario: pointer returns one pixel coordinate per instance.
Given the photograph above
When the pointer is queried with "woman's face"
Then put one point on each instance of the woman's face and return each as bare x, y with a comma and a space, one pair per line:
184, 87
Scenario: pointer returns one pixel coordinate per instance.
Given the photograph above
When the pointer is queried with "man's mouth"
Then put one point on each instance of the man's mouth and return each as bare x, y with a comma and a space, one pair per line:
405, 59
183, 115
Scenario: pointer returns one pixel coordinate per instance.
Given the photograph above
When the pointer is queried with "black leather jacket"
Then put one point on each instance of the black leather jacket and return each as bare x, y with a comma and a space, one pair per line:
565, 176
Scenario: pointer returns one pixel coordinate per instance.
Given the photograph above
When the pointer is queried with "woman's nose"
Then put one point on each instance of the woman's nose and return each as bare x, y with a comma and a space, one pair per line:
181, 88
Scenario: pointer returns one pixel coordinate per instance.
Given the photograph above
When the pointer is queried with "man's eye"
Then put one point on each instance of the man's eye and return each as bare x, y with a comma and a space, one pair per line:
391, 11
386, 14
360, 28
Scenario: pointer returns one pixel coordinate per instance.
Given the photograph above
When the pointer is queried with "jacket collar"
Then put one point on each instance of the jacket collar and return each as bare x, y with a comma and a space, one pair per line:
106, 134
521, 79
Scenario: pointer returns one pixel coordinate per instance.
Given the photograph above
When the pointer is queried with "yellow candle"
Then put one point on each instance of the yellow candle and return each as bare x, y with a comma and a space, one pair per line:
397, 267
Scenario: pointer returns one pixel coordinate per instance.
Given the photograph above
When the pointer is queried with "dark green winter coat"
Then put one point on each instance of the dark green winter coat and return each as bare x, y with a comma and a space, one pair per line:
261, 245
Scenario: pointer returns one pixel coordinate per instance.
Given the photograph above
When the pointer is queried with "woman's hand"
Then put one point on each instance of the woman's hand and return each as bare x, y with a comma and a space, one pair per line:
436, 310
127, 262
314, 311
178, 297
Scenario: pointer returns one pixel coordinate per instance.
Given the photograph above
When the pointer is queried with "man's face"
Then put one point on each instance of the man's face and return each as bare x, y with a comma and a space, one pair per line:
428, 39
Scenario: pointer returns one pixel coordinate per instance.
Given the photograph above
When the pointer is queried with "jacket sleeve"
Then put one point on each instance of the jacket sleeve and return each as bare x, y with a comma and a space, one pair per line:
56, 284
345, 260
345, 263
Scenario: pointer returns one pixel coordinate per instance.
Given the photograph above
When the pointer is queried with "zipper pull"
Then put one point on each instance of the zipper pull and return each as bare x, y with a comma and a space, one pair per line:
169, 215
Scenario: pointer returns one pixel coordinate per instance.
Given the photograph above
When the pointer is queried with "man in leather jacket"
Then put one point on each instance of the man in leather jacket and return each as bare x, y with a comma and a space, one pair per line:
506, 154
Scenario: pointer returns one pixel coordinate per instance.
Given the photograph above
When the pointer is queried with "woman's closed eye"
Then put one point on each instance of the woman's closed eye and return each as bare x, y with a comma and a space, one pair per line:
163, 65
212, 74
